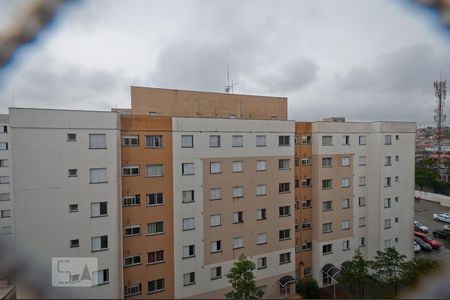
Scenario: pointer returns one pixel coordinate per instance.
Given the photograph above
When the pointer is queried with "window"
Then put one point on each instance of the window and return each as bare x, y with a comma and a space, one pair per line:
98, 175
131, 200
345, 140
155, 257
215, 194
154, 199
284, 211
260, 141
261, 190
132, 230
283, 164
285, 258
327, 162
215, 220
306, 182
237, 141
154, 170
307, 271
306, 139
261, 238
133, 289
238, 217
6, 230
188, 196
4, 179
362, 180
99, 243
387, 161
397, 137
100, 277
306, 161
4, 197
131, 260
362, 241
261, 214
346, 182
387, 223
188, 224
216, 246
3, 146
362, 222
71, 137
214, 168
99, 209
284, 187
4, 129
306, 226
362, 139
187, 141
387, 202
260, 165
154, 141
72, 172
216, 273
396, 199
214, 141
396, 158
396, 220
345, 161
327, 184
97, 141
156, 286
261, 263
345, 245
361, 201
74, 243
284, 234
396, 239
396, 178
155, 228
187, 169
327, 249
307, 246
296, 183
327, 140
387, 243
327, 227
130, 171
4, 163
284, 140
73, 208
345, 224
388, 140
345, 203
327, 205
5, 213
130, 140
238, 242
237, 167
362, 160
387, 181
188, 251
306, 204
238, 192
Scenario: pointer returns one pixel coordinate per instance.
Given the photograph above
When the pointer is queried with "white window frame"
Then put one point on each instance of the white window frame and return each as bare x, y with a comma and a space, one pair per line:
214, 141
132, 170
261, 190
188, 224
261, 165
214, 168
238, 242
260, 141
158, 170
100, 177
238, 192
261, 239
237, 141
215, 194
187, 169
187, 141
215, 220
238, 166
97, 141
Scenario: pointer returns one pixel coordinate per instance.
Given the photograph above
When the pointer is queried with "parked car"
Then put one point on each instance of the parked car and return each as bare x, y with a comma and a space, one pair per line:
428, 239
420, 227
442, 217
416, 247
447, 227
442, 233
423, 246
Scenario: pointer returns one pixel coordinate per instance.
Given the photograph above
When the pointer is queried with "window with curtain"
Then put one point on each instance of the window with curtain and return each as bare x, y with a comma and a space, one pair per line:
98, 175
97, 141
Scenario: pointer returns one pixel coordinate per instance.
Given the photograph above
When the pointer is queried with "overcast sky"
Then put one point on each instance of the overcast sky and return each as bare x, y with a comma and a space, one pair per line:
365, 60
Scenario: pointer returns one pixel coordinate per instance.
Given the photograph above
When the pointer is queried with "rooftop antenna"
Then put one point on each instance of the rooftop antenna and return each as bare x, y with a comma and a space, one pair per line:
440, 91
230, 86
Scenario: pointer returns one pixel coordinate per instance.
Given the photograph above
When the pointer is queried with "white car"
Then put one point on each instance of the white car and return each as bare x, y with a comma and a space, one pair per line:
442, 217
416, 247
422, 227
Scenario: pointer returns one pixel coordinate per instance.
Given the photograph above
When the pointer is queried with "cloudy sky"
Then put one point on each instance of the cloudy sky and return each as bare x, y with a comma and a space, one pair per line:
365, 60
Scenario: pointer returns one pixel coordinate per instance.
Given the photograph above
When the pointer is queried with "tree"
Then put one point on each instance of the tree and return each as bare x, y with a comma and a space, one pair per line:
355, 273
242, 280
418, 267
390, 267
308, 288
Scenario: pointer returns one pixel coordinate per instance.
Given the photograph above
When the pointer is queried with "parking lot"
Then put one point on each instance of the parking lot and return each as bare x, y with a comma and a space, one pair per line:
424, 211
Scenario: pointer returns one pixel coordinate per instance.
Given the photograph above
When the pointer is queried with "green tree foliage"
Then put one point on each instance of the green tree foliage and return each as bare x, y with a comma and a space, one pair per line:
390, 267
417, 268
426, 174
308, 288
355, 274
242, 280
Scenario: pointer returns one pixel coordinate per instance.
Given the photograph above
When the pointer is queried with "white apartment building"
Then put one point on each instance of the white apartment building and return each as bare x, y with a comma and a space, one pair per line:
6, 213
363, 187
66, 187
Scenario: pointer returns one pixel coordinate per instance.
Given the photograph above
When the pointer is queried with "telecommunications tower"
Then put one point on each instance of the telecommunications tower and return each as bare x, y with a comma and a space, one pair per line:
440, 91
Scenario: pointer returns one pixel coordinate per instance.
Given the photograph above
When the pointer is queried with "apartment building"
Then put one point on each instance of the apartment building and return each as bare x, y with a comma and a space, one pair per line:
66, 187
362, 191
6, 214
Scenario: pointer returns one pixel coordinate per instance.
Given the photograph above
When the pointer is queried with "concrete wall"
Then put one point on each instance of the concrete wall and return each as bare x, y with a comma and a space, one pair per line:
6, 223
441, 199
